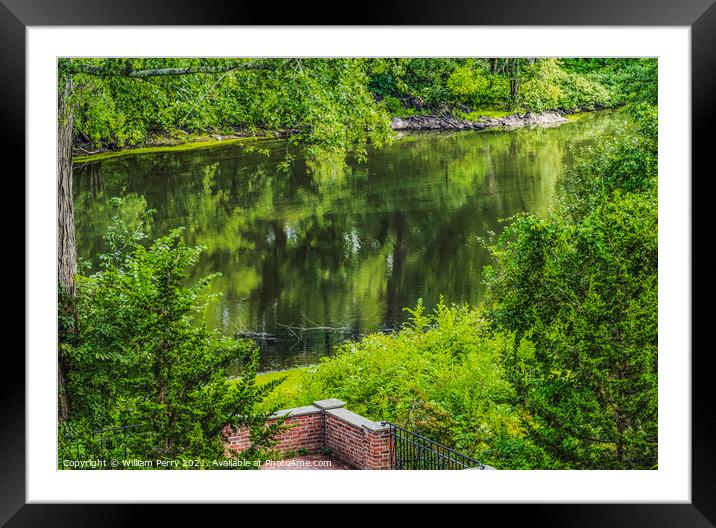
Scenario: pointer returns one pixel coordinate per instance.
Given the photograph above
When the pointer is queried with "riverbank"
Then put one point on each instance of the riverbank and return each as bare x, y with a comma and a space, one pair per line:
447, 122
82, 155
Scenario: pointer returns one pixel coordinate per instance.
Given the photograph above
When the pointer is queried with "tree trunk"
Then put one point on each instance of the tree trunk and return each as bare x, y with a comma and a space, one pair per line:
66, 256
66, 252
515, 79
63, 410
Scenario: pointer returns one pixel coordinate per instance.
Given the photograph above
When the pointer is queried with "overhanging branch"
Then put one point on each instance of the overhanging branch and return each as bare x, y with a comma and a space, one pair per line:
102, 71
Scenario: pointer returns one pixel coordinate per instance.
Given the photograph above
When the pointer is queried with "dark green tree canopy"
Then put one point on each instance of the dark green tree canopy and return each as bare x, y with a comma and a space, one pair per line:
581, 285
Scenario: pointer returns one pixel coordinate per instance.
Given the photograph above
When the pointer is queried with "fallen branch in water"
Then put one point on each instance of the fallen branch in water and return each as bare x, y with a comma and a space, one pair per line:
308, 328
316, 326
261, 336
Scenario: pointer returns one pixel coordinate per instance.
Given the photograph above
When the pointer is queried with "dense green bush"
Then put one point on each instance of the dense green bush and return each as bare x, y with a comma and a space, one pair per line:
468, 85
585, 295
540, 88
581, 92
581, 285
629, 81
143, 356
393, 105
547, 86
606, 167
439, 376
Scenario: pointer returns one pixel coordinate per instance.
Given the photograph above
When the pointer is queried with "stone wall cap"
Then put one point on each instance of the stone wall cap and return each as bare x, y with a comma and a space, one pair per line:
296, 411
357, 420
331, 403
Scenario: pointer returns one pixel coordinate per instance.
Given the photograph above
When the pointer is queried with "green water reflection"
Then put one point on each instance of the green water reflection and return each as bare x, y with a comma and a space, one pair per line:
327, 244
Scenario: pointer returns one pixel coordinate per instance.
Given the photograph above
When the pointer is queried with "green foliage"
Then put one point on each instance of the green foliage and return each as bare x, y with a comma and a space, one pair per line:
144, 355
420, 81
468, 85
636, 81
439, 376
607, 167
393, 105
630, 81
286, 393
334, 104
581, 285
547, 86
541, 84
319, 102
540, 88
583, 92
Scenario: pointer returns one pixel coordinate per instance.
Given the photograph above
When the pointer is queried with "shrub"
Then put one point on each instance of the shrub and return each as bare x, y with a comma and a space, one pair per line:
144, 355
393, 105
467, 85
439, 376
580, 92
581, 285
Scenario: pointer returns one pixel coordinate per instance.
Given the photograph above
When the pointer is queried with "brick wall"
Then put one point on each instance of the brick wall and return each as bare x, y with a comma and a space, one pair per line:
357, 441
304, 431
379, 450
351, 438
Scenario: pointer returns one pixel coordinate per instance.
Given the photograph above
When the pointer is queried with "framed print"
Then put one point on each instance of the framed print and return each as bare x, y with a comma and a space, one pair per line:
425, 240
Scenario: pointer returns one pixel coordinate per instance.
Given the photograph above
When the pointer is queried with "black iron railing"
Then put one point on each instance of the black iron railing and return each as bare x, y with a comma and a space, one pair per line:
111, 441
410, 450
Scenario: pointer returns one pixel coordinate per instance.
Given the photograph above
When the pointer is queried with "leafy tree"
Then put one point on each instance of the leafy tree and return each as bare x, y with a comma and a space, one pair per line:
468, 85
145, 356
422, 84
125, 102
609, 167
630, 80
540, 85
581, 285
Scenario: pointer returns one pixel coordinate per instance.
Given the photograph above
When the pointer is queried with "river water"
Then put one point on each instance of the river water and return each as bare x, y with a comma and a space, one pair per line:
321, 251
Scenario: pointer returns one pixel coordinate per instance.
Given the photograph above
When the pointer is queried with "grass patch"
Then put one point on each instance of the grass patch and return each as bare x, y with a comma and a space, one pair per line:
475, 115
286, 395
578, 116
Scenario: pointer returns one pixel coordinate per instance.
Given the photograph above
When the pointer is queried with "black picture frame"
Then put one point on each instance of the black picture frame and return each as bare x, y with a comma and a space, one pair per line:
16, 15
